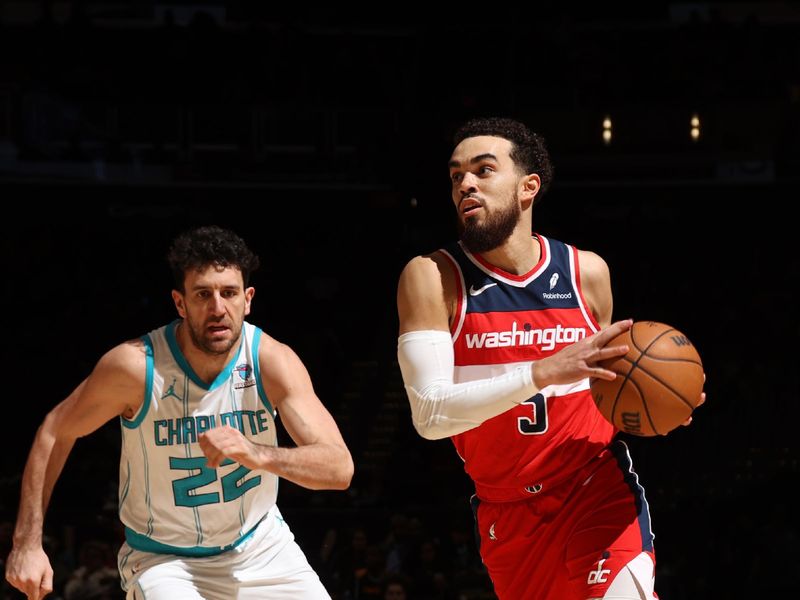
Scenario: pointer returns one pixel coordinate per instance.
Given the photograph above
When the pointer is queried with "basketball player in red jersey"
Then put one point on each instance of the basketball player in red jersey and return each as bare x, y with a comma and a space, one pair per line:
499, 335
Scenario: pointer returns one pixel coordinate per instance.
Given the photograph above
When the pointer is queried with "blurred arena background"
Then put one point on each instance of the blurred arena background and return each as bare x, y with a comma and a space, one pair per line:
322, 138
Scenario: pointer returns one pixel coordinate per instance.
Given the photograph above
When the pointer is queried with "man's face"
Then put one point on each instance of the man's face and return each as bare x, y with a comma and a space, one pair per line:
213, 305
484, 183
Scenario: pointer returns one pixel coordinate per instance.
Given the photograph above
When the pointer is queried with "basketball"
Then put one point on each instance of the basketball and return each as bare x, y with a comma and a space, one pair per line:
658, 384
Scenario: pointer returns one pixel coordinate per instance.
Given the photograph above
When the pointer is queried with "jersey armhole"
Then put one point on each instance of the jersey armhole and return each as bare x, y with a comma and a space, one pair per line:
576, 283
262, 394
138, 417
461, 304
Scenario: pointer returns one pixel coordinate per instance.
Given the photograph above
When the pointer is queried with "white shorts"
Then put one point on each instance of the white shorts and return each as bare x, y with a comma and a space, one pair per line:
267, 565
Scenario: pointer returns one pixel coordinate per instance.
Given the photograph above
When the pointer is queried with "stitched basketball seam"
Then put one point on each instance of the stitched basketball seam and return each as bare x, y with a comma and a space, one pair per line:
669, 387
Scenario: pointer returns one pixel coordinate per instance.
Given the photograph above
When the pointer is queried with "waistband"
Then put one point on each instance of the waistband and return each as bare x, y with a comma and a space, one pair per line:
552, 487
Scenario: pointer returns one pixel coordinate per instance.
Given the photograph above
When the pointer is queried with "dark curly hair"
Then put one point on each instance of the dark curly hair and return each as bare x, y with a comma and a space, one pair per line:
209, 245
528, 151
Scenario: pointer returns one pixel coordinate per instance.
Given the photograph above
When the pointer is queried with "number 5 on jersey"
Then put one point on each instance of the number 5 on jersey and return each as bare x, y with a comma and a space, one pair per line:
538, 424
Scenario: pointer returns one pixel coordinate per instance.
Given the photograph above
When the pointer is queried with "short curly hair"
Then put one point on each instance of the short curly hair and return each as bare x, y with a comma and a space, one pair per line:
210, 245
528, 151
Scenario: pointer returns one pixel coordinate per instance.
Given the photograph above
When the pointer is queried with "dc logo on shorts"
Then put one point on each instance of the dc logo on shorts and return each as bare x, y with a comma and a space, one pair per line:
601, 574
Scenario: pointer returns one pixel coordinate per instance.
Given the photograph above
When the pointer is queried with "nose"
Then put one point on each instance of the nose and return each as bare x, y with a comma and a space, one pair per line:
468, 184
217, 305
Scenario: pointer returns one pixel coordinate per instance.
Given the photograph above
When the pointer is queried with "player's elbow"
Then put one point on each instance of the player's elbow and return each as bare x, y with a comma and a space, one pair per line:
425, 409
342, 475
346, 472
431, 429
54, 428
430, 432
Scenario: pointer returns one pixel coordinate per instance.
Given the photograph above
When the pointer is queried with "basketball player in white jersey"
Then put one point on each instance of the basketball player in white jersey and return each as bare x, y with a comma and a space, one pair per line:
197, 401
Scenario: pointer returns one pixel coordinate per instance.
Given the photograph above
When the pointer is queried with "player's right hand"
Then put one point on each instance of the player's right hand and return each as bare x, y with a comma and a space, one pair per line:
30, 572
581, 359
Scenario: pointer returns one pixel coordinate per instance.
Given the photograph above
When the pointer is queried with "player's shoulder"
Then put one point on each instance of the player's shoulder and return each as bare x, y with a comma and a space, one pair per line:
592, 264
280, 366
123, 367
426, 268
267, 343
595, 282
272, 352
127, 359
587, 259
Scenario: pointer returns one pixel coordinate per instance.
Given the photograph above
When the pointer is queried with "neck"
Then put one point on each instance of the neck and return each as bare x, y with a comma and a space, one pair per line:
205, 364
517, 255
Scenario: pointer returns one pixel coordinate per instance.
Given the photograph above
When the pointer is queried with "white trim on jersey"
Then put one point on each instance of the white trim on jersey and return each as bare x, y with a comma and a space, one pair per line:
636, 484
514, 282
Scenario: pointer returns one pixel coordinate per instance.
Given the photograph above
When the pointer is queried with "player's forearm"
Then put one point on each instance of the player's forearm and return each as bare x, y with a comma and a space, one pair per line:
314, 466
446, 409
45, 462
441, 408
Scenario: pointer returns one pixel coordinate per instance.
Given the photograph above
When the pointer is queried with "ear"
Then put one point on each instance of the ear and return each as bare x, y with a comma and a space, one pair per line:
529, 187
248, 298
180, 305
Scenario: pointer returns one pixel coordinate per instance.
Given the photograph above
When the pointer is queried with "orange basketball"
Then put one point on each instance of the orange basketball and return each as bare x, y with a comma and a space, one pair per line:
658, 384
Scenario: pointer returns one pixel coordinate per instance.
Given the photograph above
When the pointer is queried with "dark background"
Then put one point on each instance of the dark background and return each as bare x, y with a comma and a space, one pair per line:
322, 139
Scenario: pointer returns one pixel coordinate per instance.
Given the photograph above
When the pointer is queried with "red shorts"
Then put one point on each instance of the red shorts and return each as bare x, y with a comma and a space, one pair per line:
567, 543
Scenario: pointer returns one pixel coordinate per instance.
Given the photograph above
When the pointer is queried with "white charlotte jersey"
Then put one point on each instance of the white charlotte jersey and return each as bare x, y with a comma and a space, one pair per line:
170, 500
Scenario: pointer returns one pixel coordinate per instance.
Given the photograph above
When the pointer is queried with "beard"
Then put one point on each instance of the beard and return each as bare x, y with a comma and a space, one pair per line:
202, 341
495, 229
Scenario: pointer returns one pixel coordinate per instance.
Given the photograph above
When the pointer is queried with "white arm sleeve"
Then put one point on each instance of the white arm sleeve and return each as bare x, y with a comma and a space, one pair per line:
441, 408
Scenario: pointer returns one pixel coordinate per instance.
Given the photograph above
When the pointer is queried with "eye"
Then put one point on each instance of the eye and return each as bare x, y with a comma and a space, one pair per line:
229, 293
203, 294
485, 170
456, 177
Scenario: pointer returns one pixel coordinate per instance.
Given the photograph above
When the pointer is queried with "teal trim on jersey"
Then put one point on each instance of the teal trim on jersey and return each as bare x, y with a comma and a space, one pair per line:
148, 385
257, 372
146, 544
187, 368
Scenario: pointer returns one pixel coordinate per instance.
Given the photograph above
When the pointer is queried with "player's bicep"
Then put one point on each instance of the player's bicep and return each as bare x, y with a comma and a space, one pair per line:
422, 296
308, 422
288, 386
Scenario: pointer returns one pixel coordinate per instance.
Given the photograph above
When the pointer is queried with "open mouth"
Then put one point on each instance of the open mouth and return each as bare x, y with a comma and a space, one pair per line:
469, 205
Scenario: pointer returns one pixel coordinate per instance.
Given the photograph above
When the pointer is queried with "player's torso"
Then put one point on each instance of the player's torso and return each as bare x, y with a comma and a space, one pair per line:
503, 320
168, 494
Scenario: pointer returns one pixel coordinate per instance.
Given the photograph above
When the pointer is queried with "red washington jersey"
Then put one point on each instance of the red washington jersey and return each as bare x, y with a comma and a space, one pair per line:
503, 320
